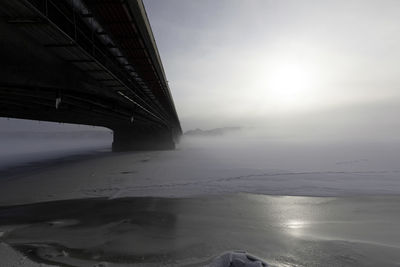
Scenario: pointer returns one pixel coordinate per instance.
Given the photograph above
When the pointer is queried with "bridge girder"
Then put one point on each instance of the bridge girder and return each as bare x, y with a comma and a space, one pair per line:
70, 61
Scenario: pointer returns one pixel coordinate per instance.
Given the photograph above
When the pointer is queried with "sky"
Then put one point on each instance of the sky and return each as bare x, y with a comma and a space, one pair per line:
287, 66
268, 63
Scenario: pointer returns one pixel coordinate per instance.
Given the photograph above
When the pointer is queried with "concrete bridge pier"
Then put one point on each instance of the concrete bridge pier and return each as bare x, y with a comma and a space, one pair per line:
128, 139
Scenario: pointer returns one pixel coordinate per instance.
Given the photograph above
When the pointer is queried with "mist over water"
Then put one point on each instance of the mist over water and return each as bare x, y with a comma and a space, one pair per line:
325, 155
25, 142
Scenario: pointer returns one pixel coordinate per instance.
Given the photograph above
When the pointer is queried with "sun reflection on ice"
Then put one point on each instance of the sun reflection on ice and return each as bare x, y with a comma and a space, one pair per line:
296, 227
295, 224
296, 216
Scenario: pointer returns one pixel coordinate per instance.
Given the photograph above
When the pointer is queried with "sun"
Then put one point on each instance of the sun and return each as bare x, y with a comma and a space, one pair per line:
290, 85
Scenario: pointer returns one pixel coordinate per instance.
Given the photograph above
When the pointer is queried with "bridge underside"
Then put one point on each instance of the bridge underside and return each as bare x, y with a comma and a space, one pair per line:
65, 61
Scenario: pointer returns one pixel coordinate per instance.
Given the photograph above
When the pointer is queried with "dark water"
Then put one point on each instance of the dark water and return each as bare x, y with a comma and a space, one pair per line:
285, 231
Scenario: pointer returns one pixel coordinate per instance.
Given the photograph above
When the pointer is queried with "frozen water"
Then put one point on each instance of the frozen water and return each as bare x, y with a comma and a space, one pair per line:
204, 166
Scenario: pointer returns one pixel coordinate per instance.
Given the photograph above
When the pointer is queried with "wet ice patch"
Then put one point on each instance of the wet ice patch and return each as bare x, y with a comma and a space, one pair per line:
63, 223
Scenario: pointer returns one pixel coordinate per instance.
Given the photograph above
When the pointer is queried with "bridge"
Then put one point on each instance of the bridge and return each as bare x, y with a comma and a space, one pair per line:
92, 62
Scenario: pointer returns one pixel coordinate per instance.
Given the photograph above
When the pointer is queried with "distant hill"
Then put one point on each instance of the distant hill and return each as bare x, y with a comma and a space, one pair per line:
212, 132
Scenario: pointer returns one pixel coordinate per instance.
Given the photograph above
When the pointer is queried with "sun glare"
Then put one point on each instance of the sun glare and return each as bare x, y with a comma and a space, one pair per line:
290, 85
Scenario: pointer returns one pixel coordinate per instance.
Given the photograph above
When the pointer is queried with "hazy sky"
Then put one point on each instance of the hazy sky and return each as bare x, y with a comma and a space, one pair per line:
250, 62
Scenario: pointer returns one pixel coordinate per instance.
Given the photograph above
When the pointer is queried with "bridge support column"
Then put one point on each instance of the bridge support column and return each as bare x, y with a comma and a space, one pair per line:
131, 139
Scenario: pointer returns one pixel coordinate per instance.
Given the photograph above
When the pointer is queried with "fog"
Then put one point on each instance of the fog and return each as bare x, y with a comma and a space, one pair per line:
25, 142
290, 67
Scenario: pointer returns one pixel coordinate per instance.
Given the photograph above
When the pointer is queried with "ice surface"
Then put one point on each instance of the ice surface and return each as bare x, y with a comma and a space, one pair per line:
283, 231
204, 166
